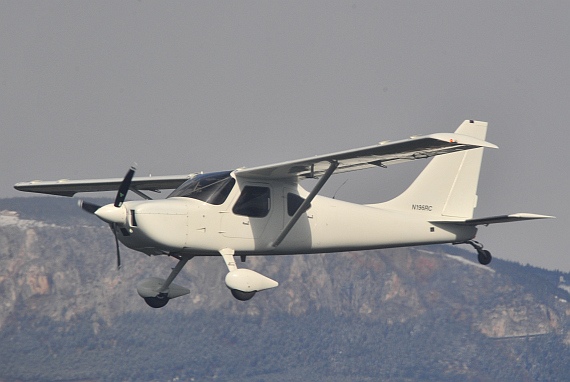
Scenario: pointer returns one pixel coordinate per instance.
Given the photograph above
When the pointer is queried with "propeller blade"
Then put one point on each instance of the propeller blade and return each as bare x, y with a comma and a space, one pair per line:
88, 207
111, 215
114, 229
124, 187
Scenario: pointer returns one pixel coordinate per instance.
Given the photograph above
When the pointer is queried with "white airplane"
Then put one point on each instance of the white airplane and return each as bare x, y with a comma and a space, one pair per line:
264, 211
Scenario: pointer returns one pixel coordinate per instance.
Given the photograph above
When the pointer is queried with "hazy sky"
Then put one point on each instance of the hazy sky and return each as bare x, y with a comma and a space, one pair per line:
87, 88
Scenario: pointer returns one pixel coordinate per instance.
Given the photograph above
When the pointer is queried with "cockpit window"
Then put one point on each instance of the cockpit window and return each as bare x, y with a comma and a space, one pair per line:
212, 188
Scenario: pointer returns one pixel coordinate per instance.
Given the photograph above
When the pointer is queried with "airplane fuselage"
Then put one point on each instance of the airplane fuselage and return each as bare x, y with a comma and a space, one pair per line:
189, 226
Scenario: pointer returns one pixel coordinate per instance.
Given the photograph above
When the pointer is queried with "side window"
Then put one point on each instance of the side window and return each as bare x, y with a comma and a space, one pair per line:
254, 202
294, 201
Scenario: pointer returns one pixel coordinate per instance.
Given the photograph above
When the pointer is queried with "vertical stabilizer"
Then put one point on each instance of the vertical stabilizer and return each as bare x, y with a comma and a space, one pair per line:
448, 184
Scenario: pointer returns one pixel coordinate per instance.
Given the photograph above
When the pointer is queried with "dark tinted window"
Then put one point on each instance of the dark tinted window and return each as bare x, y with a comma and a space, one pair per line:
211, 188
254, 202
294, 201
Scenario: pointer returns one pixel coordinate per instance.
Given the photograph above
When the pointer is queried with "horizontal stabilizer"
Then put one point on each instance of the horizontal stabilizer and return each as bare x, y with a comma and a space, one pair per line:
498, 219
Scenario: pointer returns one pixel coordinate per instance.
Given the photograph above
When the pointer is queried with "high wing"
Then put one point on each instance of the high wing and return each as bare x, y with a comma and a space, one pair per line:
65, 187
381, 155
499, 219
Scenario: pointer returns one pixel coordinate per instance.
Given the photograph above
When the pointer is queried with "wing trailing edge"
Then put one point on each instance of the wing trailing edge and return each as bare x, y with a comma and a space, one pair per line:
67, 187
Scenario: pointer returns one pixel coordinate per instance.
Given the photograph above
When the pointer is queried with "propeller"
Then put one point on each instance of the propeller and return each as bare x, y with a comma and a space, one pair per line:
124, 187
114, 229
113, 214
88, 207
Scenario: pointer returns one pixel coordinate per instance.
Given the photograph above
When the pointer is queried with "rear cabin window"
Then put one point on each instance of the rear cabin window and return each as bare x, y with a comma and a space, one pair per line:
294, 201
254, 202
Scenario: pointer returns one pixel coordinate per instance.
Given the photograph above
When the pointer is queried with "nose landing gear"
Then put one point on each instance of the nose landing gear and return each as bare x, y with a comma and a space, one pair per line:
483, 255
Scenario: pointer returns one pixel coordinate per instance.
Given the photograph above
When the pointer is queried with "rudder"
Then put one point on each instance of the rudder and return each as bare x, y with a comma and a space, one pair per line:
448, 184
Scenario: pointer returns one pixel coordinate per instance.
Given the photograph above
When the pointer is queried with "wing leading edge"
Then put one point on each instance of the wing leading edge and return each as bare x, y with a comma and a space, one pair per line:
373, 156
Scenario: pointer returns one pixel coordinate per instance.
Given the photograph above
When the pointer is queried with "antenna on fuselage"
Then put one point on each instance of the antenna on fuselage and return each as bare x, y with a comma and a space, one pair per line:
336, 192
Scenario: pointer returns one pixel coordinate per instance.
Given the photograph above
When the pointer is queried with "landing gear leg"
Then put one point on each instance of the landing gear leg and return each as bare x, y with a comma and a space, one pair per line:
483, 255
175, 271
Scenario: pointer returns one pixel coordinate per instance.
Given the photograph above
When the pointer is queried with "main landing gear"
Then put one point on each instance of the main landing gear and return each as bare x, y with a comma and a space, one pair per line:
242, 296
244, 283
157, 292
158, 301
483, 255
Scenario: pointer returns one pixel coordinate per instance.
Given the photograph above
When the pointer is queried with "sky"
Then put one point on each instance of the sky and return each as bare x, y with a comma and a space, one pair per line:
88, 88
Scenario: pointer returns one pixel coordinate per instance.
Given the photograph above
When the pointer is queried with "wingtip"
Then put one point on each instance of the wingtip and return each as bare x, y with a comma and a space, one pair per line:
467, 140
463, 139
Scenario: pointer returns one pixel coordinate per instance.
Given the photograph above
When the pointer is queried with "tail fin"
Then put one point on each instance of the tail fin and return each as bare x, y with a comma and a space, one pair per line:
448, 184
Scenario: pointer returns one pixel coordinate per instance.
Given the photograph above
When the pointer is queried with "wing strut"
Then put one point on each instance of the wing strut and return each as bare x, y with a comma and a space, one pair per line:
301, 210
141, 194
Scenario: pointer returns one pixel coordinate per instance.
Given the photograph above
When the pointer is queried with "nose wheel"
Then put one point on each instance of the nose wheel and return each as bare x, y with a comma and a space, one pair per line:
483, 255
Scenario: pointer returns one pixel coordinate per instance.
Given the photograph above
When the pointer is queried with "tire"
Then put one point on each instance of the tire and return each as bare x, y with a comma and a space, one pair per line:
242, 296
156, 302
484, 257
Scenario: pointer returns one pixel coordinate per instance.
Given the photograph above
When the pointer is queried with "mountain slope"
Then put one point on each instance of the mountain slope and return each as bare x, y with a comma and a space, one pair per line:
425, 313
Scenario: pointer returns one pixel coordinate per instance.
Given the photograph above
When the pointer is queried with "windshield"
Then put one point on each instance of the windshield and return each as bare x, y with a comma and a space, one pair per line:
212, 188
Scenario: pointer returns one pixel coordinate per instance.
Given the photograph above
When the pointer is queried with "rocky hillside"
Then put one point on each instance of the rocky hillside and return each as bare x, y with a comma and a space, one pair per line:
410, 314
